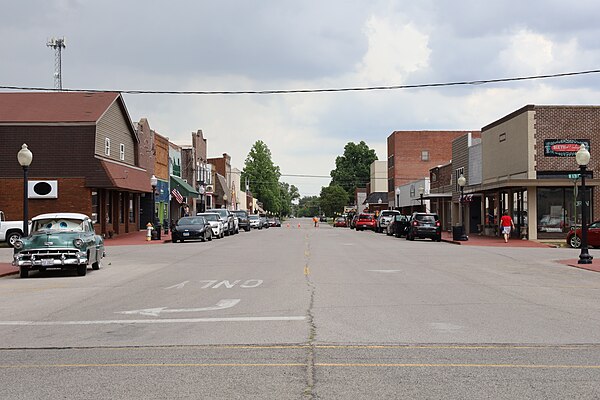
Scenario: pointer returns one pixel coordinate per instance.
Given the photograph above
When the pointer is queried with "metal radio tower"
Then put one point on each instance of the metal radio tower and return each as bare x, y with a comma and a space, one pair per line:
57, 44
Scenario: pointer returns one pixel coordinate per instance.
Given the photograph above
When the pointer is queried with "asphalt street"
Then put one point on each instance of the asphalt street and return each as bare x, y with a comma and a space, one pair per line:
304, 312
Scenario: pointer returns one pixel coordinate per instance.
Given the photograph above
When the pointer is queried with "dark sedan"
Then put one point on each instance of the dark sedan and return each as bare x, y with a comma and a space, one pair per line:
188, 228
593, 238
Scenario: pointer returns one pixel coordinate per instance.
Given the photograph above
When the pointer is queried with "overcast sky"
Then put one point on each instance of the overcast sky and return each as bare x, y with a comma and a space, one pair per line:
197, 45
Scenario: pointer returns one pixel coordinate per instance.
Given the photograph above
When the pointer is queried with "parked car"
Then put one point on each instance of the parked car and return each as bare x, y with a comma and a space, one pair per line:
215, 223
263, 221
188, 228
274, 222
424, 225
10, 231
593, 238
399, 226
255, 221
365, 221
243, 222
322, 218
59, 241
384, 219
227, 218
340, 222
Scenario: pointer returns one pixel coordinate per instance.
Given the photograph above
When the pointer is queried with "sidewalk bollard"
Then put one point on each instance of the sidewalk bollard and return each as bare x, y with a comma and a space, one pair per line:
148, 231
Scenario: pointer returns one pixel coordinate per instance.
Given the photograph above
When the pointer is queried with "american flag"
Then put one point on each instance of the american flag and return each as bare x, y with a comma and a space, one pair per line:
177, 195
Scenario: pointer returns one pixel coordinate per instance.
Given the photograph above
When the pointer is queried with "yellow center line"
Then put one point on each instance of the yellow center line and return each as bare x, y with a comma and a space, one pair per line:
453, 365
306, 270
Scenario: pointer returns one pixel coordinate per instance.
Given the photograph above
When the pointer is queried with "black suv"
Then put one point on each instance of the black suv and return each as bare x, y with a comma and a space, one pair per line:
244, 221
399, 225
424, 225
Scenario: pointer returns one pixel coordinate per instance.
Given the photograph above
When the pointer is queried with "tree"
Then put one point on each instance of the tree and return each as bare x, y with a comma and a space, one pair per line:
352, 169
308, 206
263, 176
333, 199
288, 193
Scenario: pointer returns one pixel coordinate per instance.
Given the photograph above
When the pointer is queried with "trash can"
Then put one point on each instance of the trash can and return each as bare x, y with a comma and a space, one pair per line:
156, 233
458, 233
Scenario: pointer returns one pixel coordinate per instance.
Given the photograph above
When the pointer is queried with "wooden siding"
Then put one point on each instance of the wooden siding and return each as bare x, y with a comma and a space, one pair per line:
114, 126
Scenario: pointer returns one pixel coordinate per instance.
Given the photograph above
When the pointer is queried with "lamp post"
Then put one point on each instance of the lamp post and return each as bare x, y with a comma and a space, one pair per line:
398, 198
582, 157
421, 191
225, 200
153, 183
462, 181
25, 157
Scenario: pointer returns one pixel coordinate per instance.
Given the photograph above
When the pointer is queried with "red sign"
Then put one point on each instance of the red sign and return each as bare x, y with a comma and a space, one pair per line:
565, 147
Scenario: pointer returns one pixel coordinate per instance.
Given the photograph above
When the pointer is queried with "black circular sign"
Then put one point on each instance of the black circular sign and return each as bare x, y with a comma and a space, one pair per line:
42, 188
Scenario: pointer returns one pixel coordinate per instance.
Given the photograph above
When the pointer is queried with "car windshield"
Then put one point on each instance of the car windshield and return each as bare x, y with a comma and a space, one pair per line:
253, 217
388, 213
190, 221
426, 218
221, 212
58, 224
241, 214
211, 217
366, 216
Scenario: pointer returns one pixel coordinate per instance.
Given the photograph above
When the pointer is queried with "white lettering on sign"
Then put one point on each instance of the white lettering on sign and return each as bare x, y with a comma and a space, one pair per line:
226, 284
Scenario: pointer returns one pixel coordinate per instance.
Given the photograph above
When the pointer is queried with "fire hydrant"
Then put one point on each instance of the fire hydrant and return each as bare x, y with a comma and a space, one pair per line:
149, 229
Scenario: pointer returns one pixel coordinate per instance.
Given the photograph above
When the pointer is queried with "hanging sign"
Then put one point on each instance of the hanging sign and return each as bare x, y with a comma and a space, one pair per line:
564, 147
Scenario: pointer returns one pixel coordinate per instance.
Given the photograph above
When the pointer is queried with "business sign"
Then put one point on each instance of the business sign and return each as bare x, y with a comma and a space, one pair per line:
564, 147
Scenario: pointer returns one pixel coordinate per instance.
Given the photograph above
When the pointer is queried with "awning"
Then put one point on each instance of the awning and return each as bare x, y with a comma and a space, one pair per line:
114, 175
183, 187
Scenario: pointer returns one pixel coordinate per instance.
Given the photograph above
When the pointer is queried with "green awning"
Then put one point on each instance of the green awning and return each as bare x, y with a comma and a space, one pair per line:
183, 187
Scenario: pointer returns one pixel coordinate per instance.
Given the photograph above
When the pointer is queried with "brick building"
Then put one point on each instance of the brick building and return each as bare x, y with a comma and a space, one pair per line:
527, 157
84, 147
411, 154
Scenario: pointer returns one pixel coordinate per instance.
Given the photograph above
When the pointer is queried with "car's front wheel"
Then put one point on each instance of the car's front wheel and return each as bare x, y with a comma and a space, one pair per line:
575, 242
12, 238
23, 272
81, 269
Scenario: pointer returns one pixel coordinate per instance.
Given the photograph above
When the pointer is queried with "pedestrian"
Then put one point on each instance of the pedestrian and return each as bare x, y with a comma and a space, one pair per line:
315, 220
506, 224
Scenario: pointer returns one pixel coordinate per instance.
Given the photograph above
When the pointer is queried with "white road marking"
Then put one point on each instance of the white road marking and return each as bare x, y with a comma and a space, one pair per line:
178, 286
155, 312
149, 321
385, 271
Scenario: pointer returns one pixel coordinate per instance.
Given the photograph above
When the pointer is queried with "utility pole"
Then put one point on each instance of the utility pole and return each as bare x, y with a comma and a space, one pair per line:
57, 44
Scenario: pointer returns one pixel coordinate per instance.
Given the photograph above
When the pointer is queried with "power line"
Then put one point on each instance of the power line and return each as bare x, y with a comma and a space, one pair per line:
322, 90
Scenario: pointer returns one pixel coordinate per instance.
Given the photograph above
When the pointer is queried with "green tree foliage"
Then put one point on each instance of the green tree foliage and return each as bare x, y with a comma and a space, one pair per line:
288, 194
263, 176
308, 206
333, 199
352, 168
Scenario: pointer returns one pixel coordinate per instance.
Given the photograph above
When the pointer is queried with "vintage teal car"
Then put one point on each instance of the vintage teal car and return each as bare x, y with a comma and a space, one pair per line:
59, 241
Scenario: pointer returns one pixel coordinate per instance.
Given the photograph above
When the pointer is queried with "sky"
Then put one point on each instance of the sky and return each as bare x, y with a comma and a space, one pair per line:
198, 45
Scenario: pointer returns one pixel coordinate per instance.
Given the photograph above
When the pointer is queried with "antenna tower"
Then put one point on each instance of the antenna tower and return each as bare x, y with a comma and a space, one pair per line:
57, 44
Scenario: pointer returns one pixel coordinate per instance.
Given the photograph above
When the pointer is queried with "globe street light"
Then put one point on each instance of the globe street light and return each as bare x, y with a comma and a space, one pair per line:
398, 198
462, 181
225, 200
582, 157
25, 157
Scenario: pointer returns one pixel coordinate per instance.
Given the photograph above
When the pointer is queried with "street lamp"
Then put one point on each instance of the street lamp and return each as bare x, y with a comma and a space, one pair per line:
421, 191
25, 157
398, 198
582, 157
462, 181
153, 183
225, 200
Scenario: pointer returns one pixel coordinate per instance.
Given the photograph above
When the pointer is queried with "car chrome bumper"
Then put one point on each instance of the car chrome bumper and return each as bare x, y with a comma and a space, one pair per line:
20, 261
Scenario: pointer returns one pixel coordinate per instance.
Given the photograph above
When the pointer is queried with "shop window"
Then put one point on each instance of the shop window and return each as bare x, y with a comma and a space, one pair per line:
121, 209
131, 209
559, 208
94, 207
108, 208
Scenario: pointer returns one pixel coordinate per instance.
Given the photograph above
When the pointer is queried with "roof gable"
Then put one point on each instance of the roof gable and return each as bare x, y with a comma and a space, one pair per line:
55, 107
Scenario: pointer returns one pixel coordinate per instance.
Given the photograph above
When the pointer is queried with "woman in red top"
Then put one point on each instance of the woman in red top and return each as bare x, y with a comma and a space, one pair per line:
506, 223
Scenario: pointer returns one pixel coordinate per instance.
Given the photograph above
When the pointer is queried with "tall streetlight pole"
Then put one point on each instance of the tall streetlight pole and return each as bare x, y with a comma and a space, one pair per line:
153, 183
398, 198
582, 157
462, 181
25, 157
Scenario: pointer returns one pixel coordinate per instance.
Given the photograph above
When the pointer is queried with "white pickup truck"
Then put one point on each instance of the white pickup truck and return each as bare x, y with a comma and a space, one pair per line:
10, 230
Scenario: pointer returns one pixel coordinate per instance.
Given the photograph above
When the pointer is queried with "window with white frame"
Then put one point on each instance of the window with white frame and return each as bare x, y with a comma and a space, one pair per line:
424, 155
121, 152
107, 146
